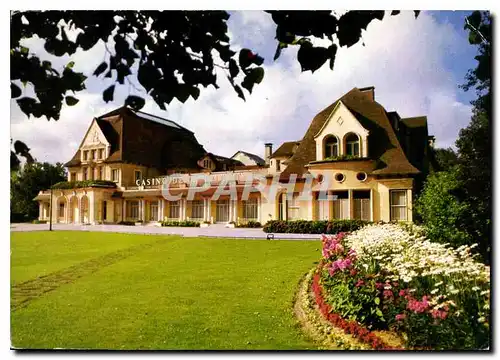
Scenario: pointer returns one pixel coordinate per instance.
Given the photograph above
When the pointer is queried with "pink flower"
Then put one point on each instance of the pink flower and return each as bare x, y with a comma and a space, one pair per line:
400, 317
402, 292
360, 283
441, 314
353, 272
388, 294
379, 285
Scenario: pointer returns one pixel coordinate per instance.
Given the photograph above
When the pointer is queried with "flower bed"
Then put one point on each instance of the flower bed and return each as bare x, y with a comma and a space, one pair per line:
313, 227
385, 277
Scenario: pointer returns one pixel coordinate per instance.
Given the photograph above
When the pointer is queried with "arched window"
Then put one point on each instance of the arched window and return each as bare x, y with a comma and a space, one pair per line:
352, 145
331, 146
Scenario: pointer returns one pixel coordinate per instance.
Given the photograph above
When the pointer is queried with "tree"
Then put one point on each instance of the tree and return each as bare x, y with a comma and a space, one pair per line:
444, 159
441, 210
474, 142
27, 182
172, 53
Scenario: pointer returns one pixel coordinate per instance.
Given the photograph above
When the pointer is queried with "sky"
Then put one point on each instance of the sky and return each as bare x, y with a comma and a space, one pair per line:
415, 66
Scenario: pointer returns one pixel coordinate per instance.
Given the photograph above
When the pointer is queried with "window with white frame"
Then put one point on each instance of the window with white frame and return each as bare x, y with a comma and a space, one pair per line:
322, 208
197, 209
137, 175
206, 163
399, 207
340, 205
133, 209
361, 203
250, 209
153, 214
114, 175
352, 145
61, 209
278, 164
331, 147
101, 153
174, 209
94, 155
293, 207
85, 155
85, 174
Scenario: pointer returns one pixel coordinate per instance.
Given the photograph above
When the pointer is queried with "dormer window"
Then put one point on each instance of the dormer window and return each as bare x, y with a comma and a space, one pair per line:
94, 155
101, 153
352, 145
331, 146
206, 163
85, 154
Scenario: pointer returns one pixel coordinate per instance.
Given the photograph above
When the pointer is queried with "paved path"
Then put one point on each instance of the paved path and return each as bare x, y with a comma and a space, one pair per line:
211, 231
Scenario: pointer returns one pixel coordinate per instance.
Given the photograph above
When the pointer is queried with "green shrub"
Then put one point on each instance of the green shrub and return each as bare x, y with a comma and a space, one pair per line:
313, 227
442, 213
250, 224
83, 184
36, 221
129, 223
185, 223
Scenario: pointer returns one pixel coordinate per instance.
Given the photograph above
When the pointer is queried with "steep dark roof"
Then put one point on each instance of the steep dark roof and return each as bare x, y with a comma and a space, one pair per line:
383, 145
417, 121
258, 160
140, 138
285, 149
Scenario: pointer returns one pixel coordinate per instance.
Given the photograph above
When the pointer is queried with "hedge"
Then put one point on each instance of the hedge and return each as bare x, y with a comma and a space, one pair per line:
313, 227
186, 223
250, 224
83, 184
130, 223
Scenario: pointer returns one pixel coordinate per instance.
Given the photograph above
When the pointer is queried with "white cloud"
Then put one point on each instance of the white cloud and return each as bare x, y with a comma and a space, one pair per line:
402, 57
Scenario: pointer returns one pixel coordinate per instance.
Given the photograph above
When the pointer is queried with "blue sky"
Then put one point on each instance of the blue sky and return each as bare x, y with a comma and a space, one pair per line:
415, 66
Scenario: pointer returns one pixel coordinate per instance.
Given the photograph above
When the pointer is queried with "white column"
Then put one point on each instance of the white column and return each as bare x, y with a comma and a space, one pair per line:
231, 211
143, 210
183, 209
349, 204
160, 210
371, 204
124, 209
364, 152
205, 210
235, 210
40, 210
209, 210
258, 209
91, 197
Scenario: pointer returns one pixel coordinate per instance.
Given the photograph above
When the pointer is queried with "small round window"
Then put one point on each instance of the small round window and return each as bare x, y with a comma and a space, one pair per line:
361, 176
339, 177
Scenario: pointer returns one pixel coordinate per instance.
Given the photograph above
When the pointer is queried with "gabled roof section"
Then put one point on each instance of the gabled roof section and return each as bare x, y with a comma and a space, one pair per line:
286, 149
144, 139
329, 118
258, 160
383, 145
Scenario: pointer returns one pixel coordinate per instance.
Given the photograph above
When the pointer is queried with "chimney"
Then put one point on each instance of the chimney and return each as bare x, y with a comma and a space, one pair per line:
370, 90
268, 150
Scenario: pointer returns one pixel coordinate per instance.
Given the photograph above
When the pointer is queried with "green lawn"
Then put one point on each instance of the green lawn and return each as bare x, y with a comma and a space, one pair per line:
178, 293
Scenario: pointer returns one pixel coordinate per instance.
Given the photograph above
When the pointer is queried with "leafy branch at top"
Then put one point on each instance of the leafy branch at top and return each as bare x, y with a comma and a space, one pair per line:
171, 53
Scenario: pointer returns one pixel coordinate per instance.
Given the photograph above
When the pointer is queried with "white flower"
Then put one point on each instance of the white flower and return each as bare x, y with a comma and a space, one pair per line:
434, 291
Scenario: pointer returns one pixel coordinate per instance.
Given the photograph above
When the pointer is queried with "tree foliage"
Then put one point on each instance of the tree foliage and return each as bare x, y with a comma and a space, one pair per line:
173, 54
442, 211
444, 159
26, 183
457, 202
